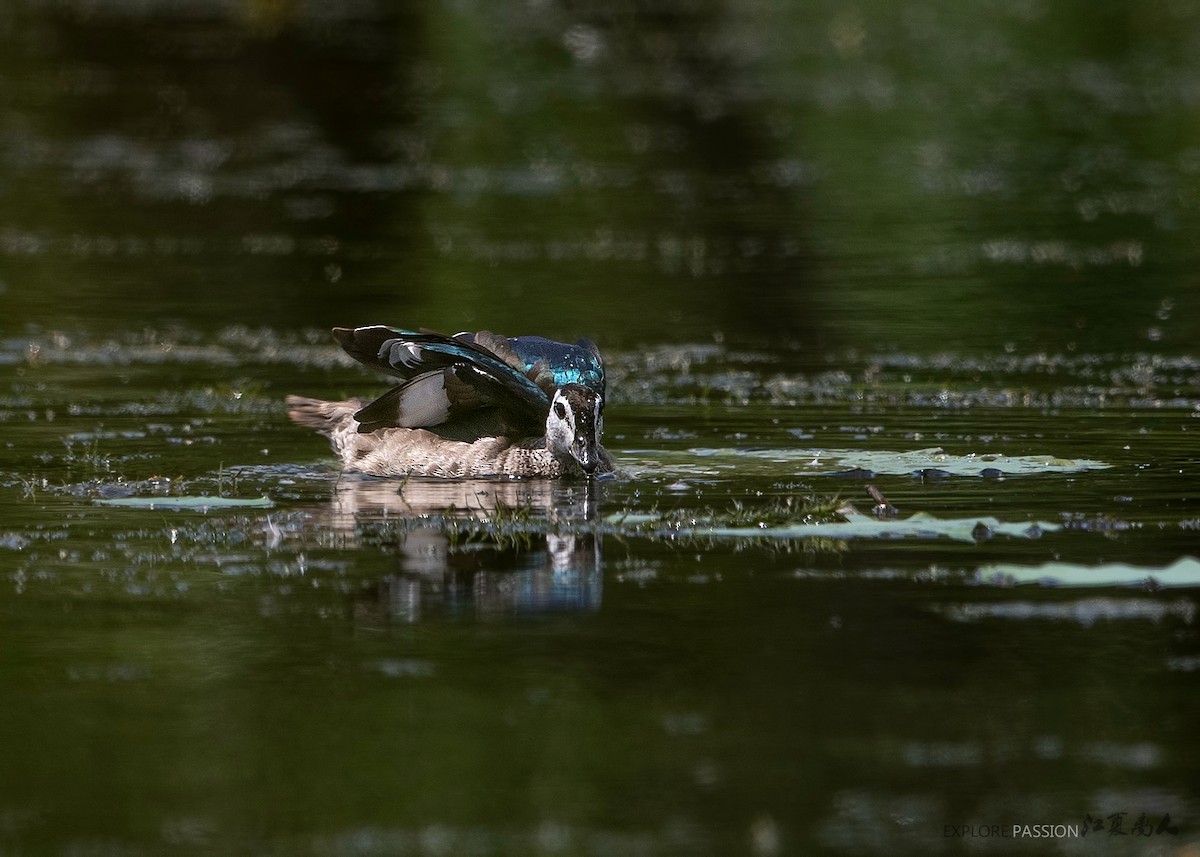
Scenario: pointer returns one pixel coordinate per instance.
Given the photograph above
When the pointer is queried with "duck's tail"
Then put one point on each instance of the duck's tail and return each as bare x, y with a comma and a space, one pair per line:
335, 420
329, 418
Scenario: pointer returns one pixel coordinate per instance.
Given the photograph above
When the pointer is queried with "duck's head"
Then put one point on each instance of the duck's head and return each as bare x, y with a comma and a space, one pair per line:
574, 426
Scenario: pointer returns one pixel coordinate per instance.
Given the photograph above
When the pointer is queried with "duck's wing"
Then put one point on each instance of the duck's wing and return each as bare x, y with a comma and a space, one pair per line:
447, 378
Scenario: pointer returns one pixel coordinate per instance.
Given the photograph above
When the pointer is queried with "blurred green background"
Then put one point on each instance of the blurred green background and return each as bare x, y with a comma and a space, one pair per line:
822, 173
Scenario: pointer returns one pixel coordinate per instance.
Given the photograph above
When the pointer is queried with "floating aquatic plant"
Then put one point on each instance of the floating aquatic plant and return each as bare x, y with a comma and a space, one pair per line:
1184, 572
865, 463
197, 503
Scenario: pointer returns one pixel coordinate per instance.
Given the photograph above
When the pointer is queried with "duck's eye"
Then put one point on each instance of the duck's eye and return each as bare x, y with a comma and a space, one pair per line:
560, 411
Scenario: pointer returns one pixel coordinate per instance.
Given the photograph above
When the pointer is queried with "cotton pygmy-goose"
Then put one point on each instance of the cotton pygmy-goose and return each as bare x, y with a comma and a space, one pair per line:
469, 405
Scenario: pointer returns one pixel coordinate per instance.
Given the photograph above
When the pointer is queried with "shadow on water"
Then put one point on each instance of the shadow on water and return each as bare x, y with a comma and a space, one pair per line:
709, 150
192, 162
201, 170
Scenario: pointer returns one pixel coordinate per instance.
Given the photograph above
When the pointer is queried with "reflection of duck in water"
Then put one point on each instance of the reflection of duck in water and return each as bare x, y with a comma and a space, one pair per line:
471, 405
359, 500
482, 571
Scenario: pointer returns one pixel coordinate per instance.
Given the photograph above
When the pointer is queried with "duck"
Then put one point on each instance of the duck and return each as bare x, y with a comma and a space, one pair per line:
471, 405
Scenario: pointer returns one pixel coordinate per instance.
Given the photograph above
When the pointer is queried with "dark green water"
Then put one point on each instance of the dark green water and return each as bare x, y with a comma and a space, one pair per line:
813, 241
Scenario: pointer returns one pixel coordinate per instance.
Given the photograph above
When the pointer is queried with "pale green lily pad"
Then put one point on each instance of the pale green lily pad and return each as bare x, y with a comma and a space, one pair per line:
1185, 571
918, 526
631, 519
828, 462
855, 526
192, 503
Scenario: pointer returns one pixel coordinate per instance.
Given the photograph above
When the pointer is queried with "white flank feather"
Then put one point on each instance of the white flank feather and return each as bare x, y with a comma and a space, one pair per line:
423, 402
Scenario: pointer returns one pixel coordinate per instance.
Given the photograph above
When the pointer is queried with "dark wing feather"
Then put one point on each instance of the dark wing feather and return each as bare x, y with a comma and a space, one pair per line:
403, 353
500, 346
446, 377
545, 363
